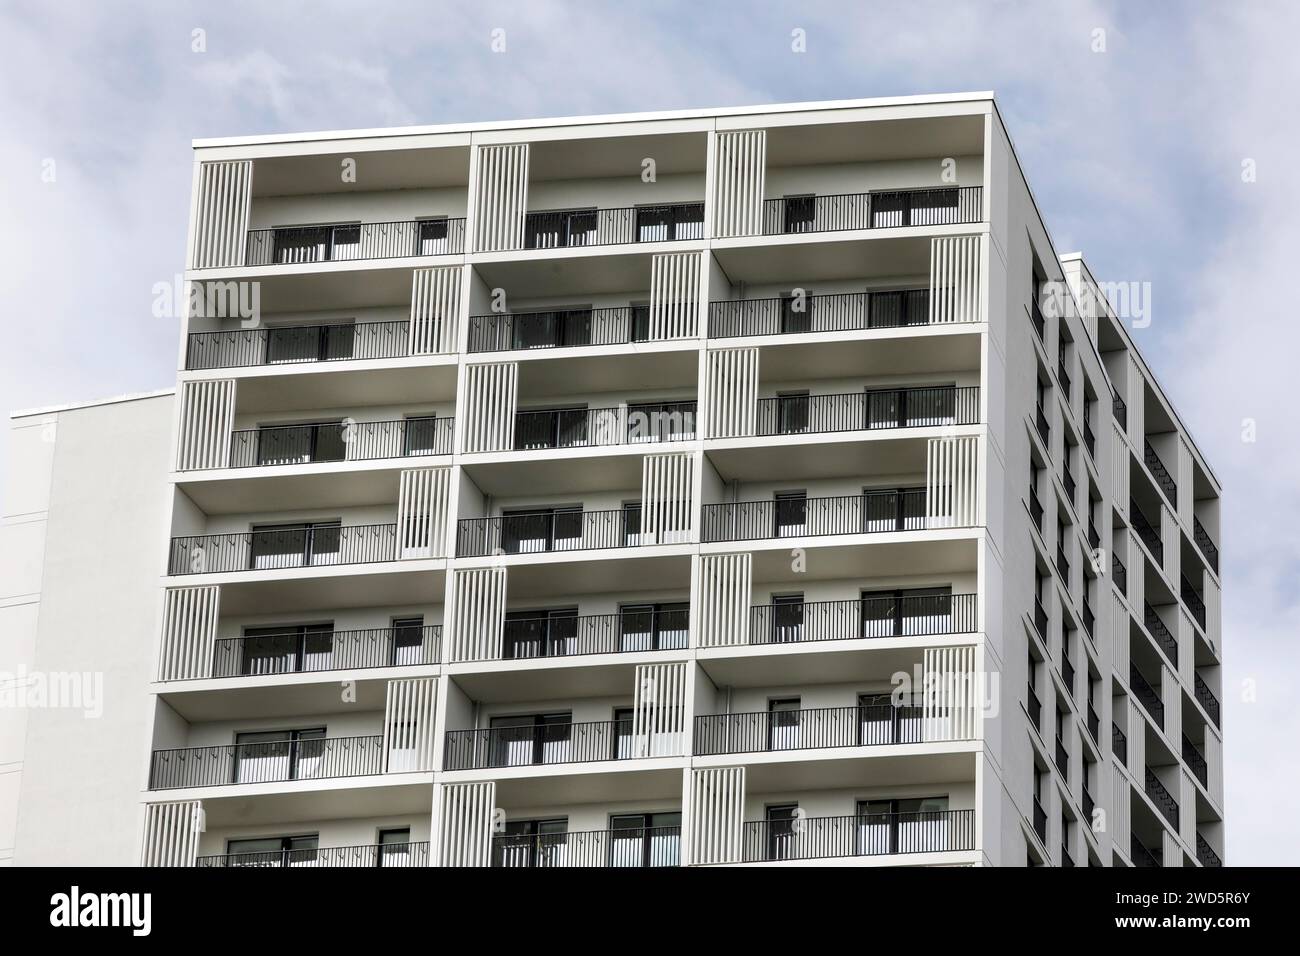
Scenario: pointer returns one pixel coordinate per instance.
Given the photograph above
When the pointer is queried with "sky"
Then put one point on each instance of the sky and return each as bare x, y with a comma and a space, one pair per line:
1154, 135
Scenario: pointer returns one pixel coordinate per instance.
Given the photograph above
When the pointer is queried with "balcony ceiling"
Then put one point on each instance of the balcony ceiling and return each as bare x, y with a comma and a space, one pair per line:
583, 783
612, 157
319, 694
931, 354
317, 800
567, 678
939, 558
826, 257
301, 487
859, 771
816, 662
838, 456
600, 572
935, 138
326, 287
605, 271
396, 586
571, 472
608, 373
328, 385
376, 171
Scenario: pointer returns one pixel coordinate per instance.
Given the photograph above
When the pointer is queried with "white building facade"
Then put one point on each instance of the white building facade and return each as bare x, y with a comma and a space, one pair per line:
740, 487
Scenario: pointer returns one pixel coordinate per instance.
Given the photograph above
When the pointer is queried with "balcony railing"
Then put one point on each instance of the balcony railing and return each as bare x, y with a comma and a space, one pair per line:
309, 650
1063, 377
1192, 598
340, 441
1146, 696
1040, 422
1149, 536
1208, 548
1162, 798
872, 834
1206, 697
559, 328
568, 228
542, 531
625, 632
1036, 315
1205, 853
624, 847
294, 344
882, 209
620, 425
1035, 707
1118, 743
1094, 724
539, 744
837, 312
865, 617
762, 731
350, 241
1062, 758
867, 513
1040, 820
1161, 473
1119, 573
315, 758
1120, 411
1035, 509
1195, 760
860, 411
1089, 619
1089, 439
1142, 857
1063, 564
278, 548
1164, 639
1071, 486
375, 854
1040, 619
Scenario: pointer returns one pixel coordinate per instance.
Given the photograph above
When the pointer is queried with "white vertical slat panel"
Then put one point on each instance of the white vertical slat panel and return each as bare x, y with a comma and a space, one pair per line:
491, 395
1171, 854
1185, 635
717, 814
423, 499
732, 392
435, 310
221, 218
1170, 536
207, 417
1213, 597
1212, 751
189, 630
409, 715
1119, 460
501, 199
952, 486
674, 295
1186, 802
739, 180
1120, 629
956, 270
1136, 734
1184, 477
667, 488
724, 594
949, 705
1171, 695
478, 614
171, 833
659, 710
1136, 402
1119, 817
465, 824
1135, 568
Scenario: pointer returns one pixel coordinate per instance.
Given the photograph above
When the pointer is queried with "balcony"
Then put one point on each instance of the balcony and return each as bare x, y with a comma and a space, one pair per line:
1141, 856
1040, 323
1192, 598
839, 312
1195, 761
535, 532
1118, 743
641, 423
1035, 708
1063, 377
1146, 696
1161, 797
1167, 643
1089, 619
572, 228
295, 344
1062, 564
272, 445
628, 631
1206, 546
624, 847
306, 758
315, 649
865, 617
1036, 509
1206, 698
1160, 473
1205, 854
865, 725
559, 328
1089, 440
1120, 411
386, 854
1040, 820
871, 512
875, 834
1067, 674
543, 744
1040, 422
868, 410
1071, 487
883, 209
1062, 758
351, 241
1148, 535
1040, 619
1119, 573
1094, 724
299, 546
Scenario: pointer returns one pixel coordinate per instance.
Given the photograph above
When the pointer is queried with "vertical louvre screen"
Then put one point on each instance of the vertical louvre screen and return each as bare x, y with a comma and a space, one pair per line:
1136, 400
221, 218
478, 614
1120, 630
956, 279
409, 714
501, 197
739, 179
1119, 470
952, 486
1212, 750
950, 705
732, 385
717, 814
1119, 817
435, 308
1136, 579
189, 629
207, 418
491, 396
724, 591
1136, 732
674, 295
171, 833
659, 710
422, 501
465, 824
667, 492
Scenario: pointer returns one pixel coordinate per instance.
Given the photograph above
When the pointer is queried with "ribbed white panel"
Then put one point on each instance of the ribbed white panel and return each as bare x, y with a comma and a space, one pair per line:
1171, 695
1187, 799
465, 824
501, 198
1171, 854
1213, 611
1185, 635
949, 704
1212, 751
724, 594
435, 309
1119, 459
171, 833
675, 295
717, 814
1136, 734
1120, 629
952, 485
732, 392
1184, 476
1136, 402
409, 732
739, 180
478, 614
221, 218
956, 279
1119, 815
491, 396
423, 499
1136, 572
667, 485
207, 417
659, 710
1170, 537
189, 628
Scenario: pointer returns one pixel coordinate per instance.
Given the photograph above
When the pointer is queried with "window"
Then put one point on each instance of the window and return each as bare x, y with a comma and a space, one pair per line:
394, 847
647, 627
792, 412
283, 649
432, 237
273, 851
913, 825
780, 831
265, 756
624, 724
909, 612
783, 723
790, 509
787, 618
881, 722
547, 633
645, 839
295, 545
541, 529
408, 642
796, 312
527, 739
532, 843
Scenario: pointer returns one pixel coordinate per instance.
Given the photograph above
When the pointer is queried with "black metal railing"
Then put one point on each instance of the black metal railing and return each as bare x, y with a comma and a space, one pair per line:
577, 635
314, 758
1164, 639
1160, 472
624, 847
1089, 619
869, 834
617, 425
882, 209
1067, 675
1206, 697
765, 730
375, 854
306, 650
835, 312
536, 744
1035, 509
559, 328
876, 408
541, 531
1146, 696
349, 241
1062, 564
1192, 598
1118, 743
1142, 857
865, 617
1063, 377
1149, 535
1062, 758
1035, 707
1119, 410
293, 344
1040, 820
1094, 724
339, 441
1208, 548
1071, 486
567, 228
1089, 439
1205, 853
1040, 619
1040, 422
869, 512
1162, 798
1036, 314
276, 548
1119, 573
1196, 761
